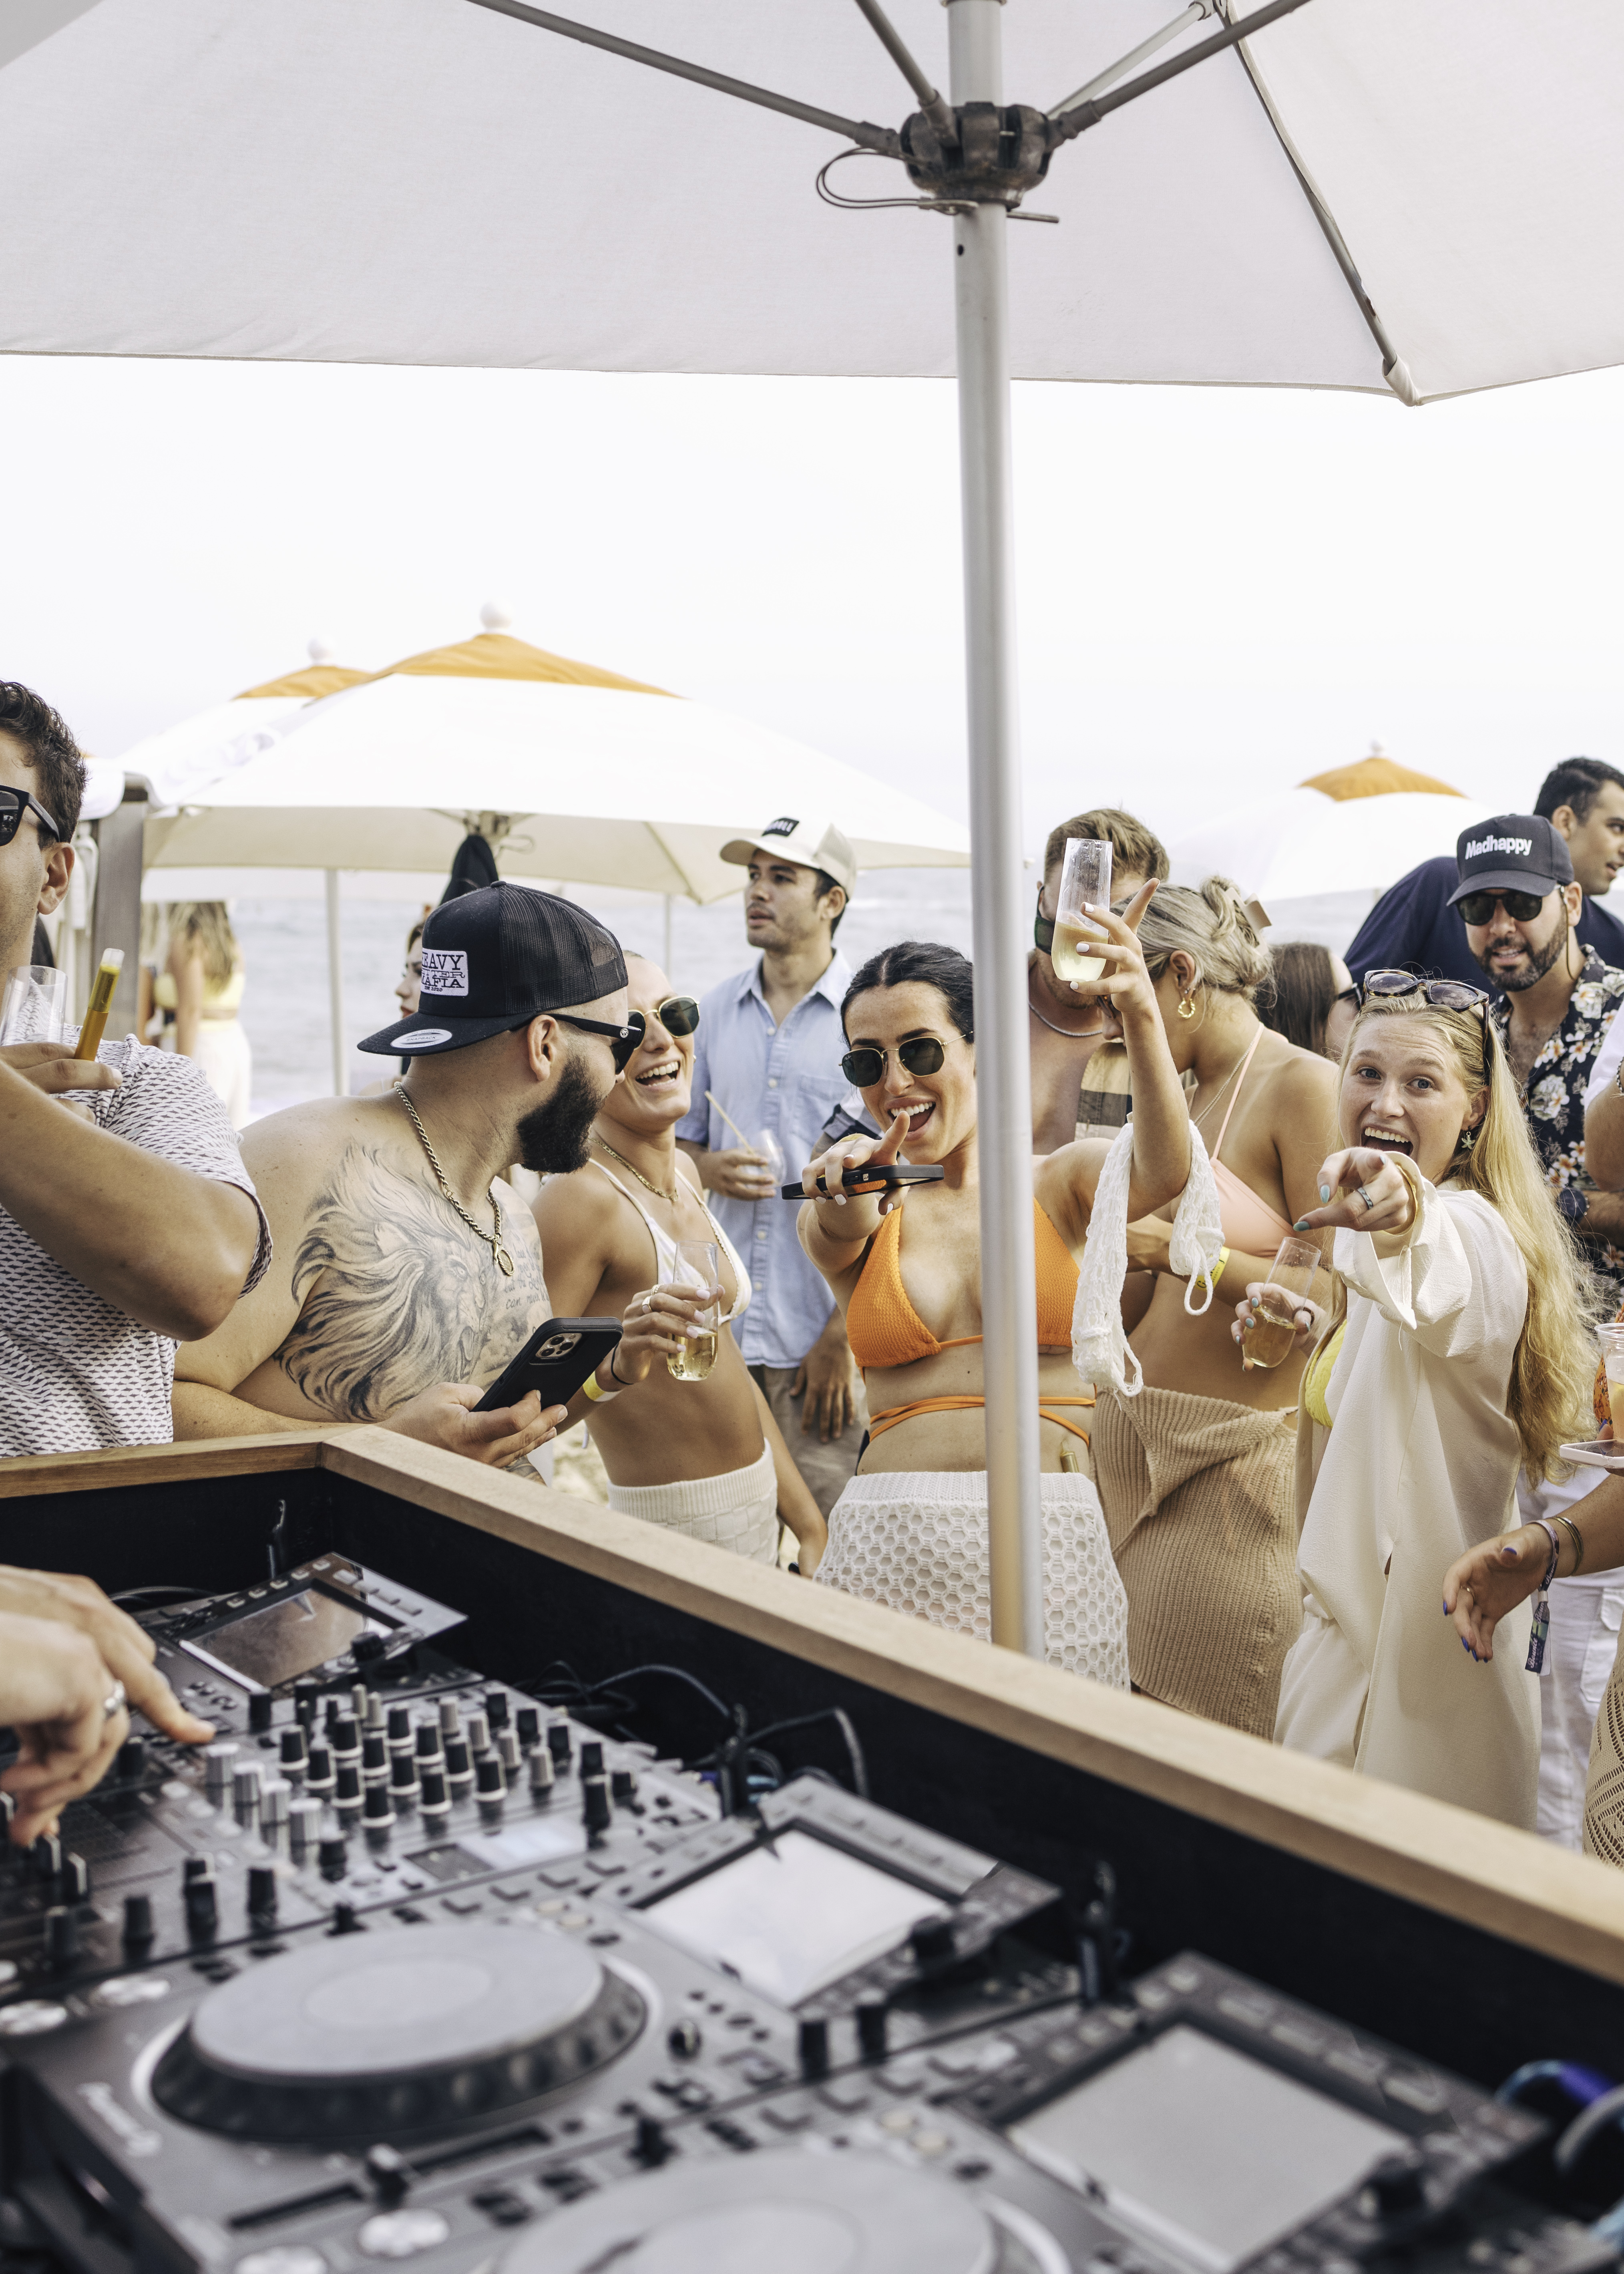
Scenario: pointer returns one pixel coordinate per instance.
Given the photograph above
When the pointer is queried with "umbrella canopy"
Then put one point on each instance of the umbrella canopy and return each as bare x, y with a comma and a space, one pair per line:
572, 773
180, 760
1358, 828
362, 183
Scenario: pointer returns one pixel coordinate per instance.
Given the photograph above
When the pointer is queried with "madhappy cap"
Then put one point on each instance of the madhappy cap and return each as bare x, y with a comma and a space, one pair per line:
1512, 852
812, 844
493, 959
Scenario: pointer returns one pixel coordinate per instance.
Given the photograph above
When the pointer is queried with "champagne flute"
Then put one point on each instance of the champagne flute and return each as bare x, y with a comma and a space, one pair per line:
35, 1009
1269, 1334
698, 1266
767, 1146
1084, 881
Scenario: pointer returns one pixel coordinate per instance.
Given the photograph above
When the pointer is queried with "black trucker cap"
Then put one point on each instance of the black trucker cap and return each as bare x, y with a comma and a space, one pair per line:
1512, 852
495, 958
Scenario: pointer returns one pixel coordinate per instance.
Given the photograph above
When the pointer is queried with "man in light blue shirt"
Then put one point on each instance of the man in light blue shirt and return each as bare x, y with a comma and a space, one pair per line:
769, 1050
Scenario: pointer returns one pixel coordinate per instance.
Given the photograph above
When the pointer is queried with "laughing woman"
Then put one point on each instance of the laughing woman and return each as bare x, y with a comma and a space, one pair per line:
910, 1530
1459, 1355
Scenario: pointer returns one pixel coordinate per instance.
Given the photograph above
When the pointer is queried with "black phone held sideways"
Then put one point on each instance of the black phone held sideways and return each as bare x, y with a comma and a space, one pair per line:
877, 1176
556, 1361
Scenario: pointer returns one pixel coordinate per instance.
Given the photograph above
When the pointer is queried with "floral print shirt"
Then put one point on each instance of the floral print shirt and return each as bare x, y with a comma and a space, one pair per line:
1555, 1101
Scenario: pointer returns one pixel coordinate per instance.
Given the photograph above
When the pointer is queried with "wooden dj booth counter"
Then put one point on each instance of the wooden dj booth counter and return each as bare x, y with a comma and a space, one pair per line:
1472, 1945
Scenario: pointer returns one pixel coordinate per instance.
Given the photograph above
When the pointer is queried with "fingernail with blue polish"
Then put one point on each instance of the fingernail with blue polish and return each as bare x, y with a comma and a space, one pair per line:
1325, 1192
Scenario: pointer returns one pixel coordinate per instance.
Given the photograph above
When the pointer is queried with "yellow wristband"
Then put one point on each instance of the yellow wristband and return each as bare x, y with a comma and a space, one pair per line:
1220, 1266
595, 1392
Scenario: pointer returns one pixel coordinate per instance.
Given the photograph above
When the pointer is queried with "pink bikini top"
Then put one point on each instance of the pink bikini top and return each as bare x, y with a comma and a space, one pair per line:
1249, 1224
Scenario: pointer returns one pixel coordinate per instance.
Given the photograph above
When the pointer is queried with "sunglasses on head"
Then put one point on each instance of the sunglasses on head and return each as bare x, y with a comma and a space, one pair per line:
14, 804
1442, 994
624, 1041
1521, 908
865, 1065
679, 1014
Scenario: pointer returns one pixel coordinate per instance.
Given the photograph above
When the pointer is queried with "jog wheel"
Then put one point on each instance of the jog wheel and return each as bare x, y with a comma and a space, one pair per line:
392, 2035
794, 2213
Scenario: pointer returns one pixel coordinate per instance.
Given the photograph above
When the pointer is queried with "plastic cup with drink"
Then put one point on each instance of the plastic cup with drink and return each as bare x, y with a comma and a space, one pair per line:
1085, 882
35, 1008
1269, 1334
698, 1265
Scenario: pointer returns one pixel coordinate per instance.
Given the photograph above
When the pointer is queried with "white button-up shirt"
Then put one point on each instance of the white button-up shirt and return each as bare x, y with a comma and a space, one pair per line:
785, 1078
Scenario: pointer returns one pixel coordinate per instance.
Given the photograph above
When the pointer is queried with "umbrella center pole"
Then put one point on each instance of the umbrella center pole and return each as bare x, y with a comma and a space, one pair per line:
336, 985
1003, 1069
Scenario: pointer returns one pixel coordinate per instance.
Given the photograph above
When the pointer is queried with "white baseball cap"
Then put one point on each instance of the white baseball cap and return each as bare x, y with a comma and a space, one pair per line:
812, 844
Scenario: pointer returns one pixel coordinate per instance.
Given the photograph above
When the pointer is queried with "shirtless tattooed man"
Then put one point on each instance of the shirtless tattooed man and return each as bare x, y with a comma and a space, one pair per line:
405, 1273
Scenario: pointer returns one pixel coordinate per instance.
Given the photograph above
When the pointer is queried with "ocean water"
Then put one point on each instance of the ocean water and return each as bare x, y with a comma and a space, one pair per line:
285, 944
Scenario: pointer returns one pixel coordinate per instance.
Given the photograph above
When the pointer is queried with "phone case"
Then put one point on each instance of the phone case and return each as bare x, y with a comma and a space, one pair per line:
871, 1178
556, 1361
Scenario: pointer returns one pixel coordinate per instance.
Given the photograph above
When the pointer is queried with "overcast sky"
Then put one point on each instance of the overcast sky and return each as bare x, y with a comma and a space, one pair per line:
1220, 590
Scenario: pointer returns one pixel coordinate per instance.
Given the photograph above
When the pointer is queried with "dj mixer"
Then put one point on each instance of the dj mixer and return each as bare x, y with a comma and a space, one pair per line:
406, 1965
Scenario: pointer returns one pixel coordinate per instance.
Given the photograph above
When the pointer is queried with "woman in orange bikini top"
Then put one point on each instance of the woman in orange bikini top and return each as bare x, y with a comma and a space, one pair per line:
909, 1276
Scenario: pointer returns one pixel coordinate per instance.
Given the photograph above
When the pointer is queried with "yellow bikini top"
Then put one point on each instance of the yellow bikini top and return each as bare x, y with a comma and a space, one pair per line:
1317, 1380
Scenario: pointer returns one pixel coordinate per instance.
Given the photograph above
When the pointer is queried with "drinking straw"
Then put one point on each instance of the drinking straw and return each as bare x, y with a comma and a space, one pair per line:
728, 1118
100, 1003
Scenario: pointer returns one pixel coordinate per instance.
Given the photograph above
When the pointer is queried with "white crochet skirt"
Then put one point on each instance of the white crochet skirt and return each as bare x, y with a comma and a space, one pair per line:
738, 1511
916, 1541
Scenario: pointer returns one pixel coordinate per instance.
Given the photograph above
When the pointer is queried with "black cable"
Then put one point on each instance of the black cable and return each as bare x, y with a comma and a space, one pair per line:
176, 1594
836, 1714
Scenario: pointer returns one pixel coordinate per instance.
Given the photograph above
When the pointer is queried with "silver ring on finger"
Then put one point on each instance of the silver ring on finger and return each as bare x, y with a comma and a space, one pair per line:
648, 1305
1365, 1197
115, 1702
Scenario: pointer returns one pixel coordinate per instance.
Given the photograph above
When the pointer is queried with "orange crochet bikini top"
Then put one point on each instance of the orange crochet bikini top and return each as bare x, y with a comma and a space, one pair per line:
885, 1329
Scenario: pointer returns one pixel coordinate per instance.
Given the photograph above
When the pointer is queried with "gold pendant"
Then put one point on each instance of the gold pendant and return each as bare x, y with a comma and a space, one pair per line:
505, 1260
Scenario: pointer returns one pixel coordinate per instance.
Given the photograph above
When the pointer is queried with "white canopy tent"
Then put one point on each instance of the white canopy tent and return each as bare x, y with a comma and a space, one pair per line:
1367, 192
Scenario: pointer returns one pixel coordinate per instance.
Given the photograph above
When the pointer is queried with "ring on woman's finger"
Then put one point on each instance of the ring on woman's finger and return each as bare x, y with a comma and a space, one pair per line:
114, 1702
1365, 1197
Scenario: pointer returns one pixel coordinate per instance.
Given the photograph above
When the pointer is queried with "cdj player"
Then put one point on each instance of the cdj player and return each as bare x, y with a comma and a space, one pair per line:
405, 1965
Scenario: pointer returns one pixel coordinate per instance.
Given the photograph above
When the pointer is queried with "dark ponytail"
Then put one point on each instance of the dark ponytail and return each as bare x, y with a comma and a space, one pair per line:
925, 963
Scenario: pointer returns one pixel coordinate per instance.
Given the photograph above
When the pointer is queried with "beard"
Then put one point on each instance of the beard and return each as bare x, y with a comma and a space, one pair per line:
552, 1139
1539, 961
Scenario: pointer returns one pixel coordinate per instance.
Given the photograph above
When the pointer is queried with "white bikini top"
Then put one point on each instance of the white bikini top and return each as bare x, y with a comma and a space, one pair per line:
666, 1265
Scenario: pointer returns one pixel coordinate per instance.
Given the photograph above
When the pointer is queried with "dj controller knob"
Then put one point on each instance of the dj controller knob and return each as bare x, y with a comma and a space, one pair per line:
74, 1881
333, 1712
371, 1717
389, 2173
490, 1788
478, 1733
933, 1945
333, 1852
138, 1926
496, 1708
374, 1757
319, 1774
873, 2027
541, 1776
528, 1723
218, 1760
262, 1895
377, 1815
347, 1798
45, 1857
458, 1768
559, 1744
623, 1786
260, 1704
403, 1786
450, 1718
400, 1729
275, 1799
202, 1907
344, 1920
295, 1754
368, 1647
509, 1751
434, 1801
596, 1812
245, 1791
346, 1739
812, 2047
132, 1764
358, 1695
8, 1810
306, 1698
683, 2038
61, 1937
426, 1742
304, 1825
650, 2148
591, 1758
195, 1867
1396, 2187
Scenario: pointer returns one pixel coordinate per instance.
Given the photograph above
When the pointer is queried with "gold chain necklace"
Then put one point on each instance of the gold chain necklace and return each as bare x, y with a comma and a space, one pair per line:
672, 1199
494, 1238
1071, 1033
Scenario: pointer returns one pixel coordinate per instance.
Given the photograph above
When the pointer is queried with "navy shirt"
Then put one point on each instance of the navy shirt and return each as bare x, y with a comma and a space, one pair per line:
1412, 928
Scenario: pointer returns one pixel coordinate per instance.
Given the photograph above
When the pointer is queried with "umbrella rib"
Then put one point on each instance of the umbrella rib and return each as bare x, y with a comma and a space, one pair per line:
884, 141
1077, 117
938, 112
1195, 13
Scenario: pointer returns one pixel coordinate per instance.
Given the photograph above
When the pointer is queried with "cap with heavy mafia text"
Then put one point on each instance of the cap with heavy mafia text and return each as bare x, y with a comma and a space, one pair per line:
1511, 852
496, 958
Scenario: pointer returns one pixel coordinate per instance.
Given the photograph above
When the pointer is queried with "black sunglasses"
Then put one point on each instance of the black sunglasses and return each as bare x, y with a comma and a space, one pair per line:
14, 804
865, 1066
624, 1041
1042, 928
1521, 908
1442, 994
679, 1014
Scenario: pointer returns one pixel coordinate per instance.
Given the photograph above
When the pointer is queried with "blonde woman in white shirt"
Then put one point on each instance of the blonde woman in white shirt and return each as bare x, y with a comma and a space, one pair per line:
1459, 1356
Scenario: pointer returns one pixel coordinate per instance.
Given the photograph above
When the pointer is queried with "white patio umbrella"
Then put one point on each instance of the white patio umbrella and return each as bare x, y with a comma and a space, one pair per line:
1367, 193
181, 760
1358, 828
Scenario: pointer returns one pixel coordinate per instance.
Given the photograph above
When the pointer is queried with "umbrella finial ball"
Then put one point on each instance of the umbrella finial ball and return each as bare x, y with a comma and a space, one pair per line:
494, 617
321, 650
1378, 749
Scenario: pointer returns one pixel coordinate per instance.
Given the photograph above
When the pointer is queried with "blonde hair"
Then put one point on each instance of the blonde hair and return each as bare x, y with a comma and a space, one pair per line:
203, 926
1552, 1367
1212, 927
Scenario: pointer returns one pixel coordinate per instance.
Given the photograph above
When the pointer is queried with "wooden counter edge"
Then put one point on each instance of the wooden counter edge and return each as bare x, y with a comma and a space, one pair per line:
26, 1473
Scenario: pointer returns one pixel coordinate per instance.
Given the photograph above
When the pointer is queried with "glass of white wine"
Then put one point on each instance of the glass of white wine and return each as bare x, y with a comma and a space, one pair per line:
1272, 1329
698, 1266
1085, 882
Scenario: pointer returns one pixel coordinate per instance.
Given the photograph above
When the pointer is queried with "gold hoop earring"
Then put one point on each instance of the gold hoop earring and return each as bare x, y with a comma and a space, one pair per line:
1186, 1007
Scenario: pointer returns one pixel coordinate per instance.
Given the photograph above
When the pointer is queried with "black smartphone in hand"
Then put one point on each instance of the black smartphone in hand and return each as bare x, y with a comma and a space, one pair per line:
877, 1176
556, 1361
